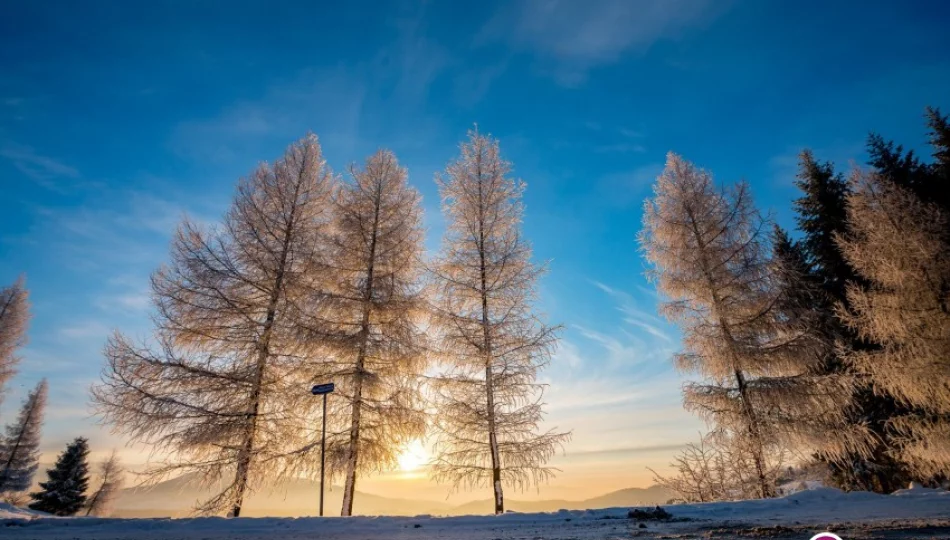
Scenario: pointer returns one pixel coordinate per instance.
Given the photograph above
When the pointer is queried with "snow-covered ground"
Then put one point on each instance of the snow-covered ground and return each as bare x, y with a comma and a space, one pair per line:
913, 513
8, 512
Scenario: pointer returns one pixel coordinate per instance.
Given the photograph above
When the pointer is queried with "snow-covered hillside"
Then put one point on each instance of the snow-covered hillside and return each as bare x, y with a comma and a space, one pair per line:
926, 512
9, 512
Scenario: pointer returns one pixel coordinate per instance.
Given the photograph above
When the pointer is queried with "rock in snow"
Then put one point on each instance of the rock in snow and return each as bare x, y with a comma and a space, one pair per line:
644, 515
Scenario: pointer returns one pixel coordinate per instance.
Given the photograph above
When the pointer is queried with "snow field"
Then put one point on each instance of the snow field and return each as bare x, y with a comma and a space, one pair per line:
821, 506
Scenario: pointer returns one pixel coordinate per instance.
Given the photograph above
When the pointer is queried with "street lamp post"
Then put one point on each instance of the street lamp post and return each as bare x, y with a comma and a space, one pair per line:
323, 390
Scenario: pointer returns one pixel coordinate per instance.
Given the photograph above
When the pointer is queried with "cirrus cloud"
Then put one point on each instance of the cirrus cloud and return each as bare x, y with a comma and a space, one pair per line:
578, 36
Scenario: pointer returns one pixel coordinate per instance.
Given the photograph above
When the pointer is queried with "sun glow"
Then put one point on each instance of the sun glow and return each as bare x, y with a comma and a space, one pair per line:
413, 457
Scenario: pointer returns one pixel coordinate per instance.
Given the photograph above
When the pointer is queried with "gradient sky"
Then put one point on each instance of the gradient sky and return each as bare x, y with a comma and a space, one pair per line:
116, 118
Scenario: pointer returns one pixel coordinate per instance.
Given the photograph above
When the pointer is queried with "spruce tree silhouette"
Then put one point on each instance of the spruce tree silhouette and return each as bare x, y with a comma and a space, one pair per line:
65, 491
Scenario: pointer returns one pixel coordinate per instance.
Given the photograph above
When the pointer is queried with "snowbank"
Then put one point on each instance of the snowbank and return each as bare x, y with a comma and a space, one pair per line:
795, 486
8, 511
825, 504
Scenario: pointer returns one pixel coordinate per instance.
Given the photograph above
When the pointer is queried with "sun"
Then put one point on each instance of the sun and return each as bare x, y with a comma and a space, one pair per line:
413, 456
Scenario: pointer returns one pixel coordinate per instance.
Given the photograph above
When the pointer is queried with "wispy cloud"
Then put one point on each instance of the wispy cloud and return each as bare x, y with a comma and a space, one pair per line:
629, 450
637, 337
636, 316
42, 361
621, 148
568, 355
330, 101
344, 104
631, 133
151, 213
419, 60
627, 188
639, 318
117, 233
131, 302
86, 330
579, 36
620, 415
616, 140
125, 294
614, 293
602, 373
473, 84
597, 390
618, 352
42, 169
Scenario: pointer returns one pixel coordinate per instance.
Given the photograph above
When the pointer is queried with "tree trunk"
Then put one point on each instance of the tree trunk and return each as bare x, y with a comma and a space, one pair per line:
16, 445
349, 488
244, 457
493, 443
751, 420
764, 489
487, 348
91, 504
6, 306
263, 351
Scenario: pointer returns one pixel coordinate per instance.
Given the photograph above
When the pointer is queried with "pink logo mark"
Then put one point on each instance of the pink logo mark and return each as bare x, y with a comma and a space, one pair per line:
826, 536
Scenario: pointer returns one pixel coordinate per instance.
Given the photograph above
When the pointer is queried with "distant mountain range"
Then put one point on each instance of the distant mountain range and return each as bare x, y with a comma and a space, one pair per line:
177, 497
650, 496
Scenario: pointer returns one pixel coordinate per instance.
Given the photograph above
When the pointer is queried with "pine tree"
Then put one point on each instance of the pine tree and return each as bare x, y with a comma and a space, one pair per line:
109, 483
804, 307
220, 394
746, 332
803, 301
20, 447
493, 344
375, 262
901, 245
928, 181
822, 217
14, 320
64, 493
939, 139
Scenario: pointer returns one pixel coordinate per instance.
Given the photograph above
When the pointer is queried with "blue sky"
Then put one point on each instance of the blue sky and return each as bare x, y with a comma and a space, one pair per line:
118, 117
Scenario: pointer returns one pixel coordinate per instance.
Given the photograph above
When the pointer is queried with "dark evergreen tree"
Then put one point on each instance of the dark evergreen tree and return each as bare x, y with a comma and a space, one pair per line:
64, 493
929, 181
801, 286
939, 138
821, 217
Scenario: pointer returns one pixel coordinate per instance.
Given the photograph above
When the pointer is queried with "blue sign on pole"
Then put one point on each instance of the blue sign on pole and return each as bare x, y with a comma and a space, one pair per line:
321, 389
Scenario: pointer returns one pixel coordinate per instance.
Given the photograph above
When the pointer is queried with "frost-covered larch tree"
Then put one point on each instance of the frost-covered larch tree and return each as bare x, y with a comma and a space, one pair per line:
747, 338
218, 395
374, 303
901, 246
109, 482
14, 319
489, 404
20, 445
